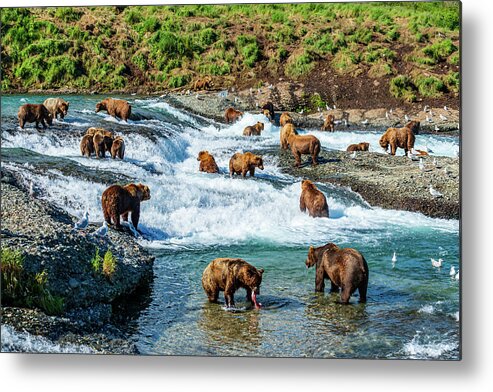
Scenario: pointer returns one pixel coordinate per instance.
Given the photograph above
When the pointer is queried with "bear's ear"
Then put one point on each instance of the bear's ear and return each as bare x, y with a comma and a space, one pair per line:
260, 271
311, 249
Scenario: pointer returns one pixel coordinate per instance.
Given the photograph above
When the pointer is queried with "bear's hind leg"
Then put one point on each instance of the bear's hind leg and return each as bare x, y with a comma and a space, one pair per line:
333, 287
346, 294
362, 291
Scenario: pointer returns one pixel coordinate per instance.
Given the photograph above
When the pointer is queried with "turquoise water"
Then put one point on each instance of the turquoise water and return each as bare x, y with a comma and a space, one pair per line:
192, 218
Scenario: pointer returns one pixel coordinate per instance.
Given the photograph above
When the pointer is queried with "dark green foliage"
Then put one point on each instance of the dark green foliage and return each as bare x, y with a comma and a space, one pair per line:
402, 87
68, 14
429, 86
20, 288
299, 65
440, 50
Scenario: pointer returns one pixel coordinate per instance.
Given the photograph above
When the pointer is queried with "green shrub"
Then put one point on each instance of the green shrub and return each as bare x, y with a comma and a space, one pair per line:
392, 34
23, 289
67, 14
178, 81
316, 101
207, 37
140, 60
429, 86
452, 81
454, 59
109, 264
345, 61
132, 16
96, 262
12, 264
248, 47
440, 50
299, 65
402, 87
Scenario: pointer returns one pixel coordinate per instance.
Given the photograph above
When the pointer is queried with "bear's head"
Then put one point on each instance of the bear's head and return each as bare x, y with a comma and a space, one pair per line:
414, 126
251, 277
100, 106
202, 155
384, 143
258, 162
144, 191
330, 119
307, 184
266, 113
364, 146
316, 254
64, 108
259, 126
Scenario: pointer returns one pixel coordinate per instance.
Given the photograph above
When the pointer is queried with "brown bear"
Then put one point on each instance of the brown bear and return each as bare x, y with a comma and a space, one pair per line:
203, 84
286, 130
29, 113
254, 130
304, 144
118, 148
120, 200
102, 141
267, 114
313, 200
328, 123
207, 162
115, 108
400, 137
87, 145
91, 131
270, 107
244, 163
56, 106
228, 275
232, 115
358, 147
285, 119
345, 268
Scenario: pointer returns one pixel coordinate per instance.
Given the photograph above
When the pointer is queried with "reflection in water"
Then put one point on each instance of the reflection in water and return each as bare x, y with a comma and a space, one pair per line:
232, 328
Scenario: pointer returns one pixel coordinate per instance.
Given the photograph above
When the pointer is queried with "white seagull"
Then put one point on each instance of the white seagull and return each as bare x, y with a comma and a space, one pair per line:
425, 109
82, 223
406, 117
390, 111
327, 106
434, 192
428, 119
457, 276
443, 118
394, 258
436, 263
334, 107
435, 162
436, 128
353, 155
452, 271
103, 230
445, 108
387, 115
31, 189
421, 164
364, 122
302, 110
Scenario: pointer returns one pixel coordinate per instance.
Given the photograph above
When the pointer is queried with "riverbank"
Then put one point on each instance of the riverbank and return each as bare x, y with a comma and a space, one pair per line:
93, 301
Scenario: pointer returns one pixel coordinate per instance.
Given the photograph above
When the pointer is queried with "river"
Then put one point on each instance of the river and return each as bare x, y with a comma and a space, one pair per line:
412, 310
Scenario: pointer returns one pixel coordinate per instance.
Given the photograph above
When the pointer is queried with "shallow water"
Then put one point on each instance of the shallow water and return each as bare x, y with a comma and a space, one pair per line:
192, 218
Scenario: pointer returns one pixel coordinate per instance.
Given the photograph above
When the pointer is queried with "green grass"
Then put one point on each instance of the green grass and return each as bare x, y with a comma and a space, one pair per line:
429, 86
51, 48
402, 87
96, 262
23, 289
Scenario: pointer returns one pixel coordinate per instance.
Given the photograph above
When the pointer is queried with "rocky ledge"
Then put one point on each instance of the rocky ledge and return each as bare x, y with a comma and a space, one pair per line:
43, 234
394, 182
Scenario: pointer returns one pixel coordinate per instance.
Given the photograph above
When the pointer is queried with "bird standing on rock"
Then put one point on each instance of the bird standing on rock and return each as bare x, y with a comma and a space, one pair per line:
436, 128
421, 164
443, 118
406, 117
434, 192
82, 223
103, 230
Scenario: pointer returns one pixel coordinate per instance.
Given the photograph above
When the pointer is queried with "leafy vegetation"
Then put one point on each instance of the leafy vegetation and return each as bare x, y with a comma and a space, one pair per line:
109, 264
107, 49
20, 288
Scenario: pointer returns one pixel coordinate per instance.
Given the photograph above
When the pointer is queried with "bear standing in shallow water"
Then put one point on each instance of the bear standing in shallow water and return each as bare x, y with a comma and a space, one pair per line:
345, 268
115, 107
313, 200
228, 275
121, 200
29, 113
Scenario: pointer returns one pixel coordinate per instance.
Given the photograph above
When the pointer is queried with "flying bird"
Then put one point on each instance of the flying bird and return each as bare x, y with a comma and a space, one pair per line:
436, 263
434, 192
82, 223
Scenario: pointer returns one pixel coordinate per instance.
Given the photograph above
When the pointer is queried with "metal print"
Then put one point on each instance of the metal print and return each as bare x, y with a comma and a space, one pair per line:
265, 180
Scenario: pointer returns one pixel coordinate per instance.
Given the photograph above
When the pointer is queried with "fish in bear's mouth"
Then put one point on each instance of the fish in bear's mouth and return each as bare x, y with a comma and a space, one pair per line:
258, 305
